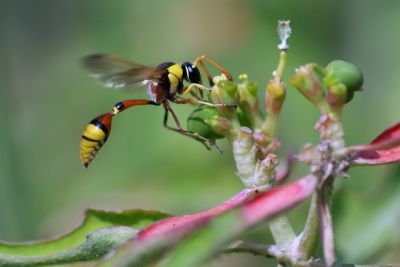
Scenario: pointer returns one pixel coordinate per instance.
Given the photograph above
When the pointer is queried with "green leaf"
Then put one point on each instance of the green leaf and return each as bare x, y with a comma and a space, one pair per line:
100, 232
96, 245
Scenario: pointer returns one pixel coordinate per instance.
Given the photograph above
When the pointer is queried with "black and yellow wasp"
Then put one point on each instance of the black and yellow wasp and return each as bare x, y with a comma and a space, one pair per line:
164, 83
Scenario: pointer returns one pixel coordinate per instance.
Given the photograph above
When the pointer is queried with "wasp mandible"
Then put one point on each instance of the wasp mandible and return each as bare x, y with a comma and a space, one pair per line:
164, 85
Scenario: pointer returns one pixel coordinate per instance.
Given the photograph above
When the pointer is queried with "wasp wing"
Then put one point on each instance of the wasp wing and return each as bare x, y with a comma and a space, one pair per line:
117, 72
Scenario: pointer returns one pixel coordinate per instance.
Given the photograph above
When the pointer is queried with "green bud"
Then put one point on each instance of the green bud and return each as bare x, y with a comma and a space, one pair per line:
228, 86
197, 122
224, 92
249, 113
350, 75
244, 121
251, 87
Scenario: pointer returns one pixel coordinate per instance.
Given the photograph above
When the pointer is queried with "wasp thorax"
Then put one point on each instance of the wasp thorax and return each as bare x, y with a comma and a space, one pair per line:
191, 73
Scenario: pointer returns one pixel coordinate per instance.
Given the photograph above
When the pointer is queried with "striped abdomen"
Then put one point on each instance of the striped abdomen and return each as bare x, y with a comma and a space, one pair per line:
93, 137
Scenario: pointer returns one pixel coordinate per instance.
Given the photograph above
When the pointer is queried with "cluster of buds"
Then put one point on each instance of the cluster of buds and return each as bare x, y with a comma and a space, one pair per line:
329, 88
251, 133
241, 125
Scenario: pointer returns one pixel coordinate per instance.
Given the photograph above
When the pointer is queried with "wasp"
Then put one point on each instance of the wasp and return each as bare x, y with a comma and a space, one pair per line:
164, 85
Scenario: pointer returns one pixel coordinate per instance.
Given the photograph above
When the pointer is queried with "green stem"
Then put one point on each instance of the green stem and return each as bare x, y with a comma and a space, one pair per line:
280, 227
323, 107
281, 64
282, 231
308, 239
324, 199
270, 125
269, 251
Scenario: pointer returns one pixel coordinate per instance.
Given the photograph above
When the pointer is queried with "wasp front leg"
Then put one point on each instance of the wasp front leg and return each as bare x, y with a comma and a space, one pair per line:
98, 130
197, 101
200, 88
200, 61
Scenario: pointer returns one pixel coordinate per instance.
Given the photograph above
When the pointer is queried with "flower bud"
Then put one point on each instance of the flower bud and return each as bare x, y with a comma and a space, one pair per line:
249, 112
339, 71
224, 92
308, 83
197, 122
307, 80
243, 119
274, 97
221, 125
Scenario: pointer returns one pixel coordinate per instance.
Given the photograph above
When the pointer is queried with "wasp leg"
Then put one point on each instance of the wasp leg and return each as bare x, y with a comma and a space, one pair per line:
205, 141
199, 61
98, 130
199, 87
197, 101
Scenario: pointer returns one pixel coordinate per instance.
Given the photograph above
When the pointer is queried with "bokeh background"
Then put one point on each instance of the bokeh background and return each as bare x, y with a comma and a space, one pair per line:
46, 99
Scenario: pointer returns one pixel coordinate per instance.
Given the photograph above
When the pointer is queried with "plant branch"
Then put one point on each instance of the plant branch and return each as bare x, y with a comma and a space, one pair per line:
326, 226
269, 251
306, 243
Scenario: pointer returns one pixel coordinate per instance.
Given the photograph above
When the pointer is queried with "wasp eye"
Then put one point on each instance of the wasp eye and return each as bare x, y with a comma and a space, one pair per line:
191, 73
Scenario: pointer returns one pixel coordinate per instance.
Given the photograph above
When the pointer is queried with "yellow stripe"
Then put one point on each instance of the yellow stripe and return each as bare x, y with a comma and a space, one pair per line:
174, 76
94, 132
176, 70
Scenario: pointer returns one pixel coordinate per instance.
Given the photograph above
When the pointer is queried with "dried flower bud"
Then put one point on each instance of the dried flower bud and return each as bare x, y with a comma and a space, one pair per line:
308, 81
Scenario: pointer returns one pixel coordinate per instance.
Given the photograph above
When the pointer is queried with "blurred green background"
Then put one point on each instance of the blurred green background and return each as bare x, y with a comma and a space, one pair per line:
46, 99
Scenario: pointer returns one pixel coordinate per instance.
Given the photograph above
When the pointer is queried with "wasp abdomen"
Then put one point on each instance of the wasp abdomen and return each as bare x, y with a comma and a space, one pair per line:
94, 136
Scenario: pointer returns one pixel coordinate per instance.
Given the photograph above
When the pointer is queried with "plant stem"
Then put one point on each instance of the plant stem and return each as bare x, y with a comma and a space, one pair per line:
280, 227
326, 225
282, 232
307, 241
269, 251
281, 65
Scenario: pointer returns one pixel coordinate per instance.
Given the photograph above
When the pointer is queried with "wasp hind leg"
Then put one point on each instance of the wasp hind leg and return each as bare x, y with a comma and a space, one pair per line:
98, 130
208, 143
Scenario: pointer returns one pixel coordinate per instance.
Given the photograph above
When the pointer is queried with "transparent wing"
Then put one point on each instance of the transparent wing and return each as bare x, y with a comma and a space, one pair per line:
116, 72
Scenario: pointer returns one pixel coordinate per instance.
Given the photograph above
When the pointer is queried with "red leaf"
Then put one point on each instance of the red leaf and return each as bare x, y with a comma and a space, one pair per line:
253, 210
278, 200
185, 223
385, 148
